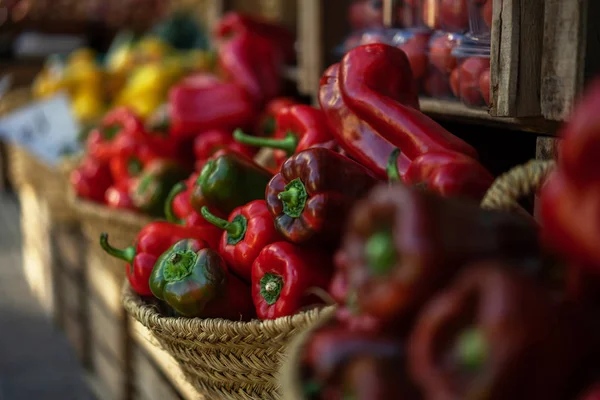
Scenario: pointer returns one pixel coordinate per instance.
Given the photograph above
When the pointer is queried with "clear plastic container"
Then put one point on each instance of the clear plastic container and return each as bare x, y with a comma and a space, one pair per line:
470, 81
480, 19
441, 64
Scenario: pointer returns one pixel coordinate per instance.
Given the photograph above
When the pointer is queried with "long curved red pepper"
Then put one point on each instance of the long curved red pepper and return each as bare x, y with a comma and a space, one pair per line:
376, 85
299, 128
353, 134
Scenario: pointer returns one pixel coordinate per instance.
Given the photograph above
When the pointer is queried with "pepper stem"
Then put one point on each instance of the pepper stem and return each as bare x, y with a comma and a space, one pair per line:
127, 254
392, 166
236, 229
169, 212
293, 198
380, 252
270, 287
288, 144
472, 349
179, 265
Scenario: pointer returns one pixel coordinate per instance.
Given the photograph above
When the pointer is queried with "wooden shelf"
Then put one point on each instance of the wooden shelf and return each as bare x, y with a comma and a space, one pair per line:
164, 361
456, 111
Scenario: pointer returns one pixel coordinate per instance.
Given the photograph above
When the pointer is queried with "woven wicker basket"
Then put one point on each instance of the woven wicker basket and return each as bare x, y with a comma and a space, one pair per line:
503, 195
225, 359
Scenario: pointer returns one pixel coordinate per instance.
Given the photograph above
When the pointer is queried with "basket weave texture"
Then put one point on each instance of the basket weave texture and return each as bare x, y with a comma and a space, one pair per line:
225, 359
503, 195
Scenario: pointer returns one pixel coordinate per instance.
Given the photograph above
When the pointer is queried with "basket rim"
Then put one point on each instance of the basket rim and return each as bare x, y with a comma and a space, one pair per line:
150, 317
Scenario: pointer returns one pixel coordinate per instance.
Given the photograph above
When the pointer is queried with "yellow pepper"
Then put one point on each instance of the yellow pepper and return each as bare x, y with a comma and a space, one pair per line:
87, 105
82, 56
151, 49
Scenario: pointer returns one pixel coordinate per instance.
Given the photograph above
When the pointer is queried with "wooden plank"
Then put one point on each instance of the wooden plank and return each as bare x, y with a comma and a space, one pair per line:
546, 148
109, 373
311, 61
164, 361
149, 381
109, 330
564, 51
516, 52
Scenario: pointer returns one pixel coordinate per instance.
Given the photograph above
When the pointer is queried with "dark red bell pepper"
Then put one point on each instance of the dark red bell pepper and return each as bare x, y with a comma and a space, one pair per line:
375, 84
311, 196
282, 276
91, 180
202, 102
299, 128
119, 131
266, 125
151, 242
569, 201
208, 143
254, 63
353, 134
234, 23
178, 209
118, 197
247, 231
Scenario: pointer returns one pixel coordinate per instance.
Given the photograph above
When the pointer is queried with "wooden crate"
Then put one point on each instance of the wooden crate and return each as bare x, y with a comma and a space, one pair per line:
107, 376
150, 383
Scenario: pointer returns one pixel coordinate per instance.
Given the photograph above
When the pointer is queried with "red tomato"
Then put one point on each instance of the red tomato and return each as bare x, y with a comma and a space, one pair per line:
365, 14
454, 15
440, 53
470, 74
484, 86
455, 82
487, 12
436, 84
417, 56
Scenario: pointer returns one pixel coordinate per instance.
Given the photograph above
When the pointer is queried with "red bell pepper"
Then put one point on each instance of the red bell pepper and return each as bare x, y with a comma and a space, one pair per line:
118, 197
124, 168
254, 63
202, 102
178, 209
569, 202
119, 130
353, 134
282, 276
151, 242
91, 180
234, 23
208, 143
247, 231
447, 174
376, 85
298, 128
267, 126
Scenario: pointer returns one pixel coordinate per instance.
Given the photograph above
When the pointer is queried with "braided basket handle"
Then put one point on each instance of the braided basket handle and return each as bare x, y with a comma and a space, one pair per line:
519, 182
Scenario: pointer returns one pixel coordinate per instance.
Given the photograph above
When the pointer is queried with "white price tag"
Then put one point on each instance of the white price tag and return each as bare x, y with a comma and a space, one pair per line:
45, 128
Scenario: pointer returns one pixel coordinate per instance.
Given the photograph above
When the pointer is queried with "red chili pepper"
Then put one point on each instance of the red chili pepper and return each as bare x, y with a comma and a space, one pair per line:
119, 131
91, 180
353, 134
282, 276
267, 126
208, 143
202, 102
151, 242
247, 231
234, 23
569, 202
254, 63
118, 197
298, 128
376, 85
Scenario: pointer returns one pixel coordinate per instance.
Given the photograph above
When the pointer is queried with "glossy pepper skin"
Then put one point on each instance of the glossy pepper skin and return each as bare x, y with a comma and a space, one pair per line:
569, 205
194, 281
402, 245
208, 143
153, 240
298, 128
202, 102
178, 209
254, 63
311, 196
495, 332
151, 190
282, 275
234, 23
91, 180
119, 130
354, 135
118, 197
267, 125
246, 232
229, 181
364, 77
